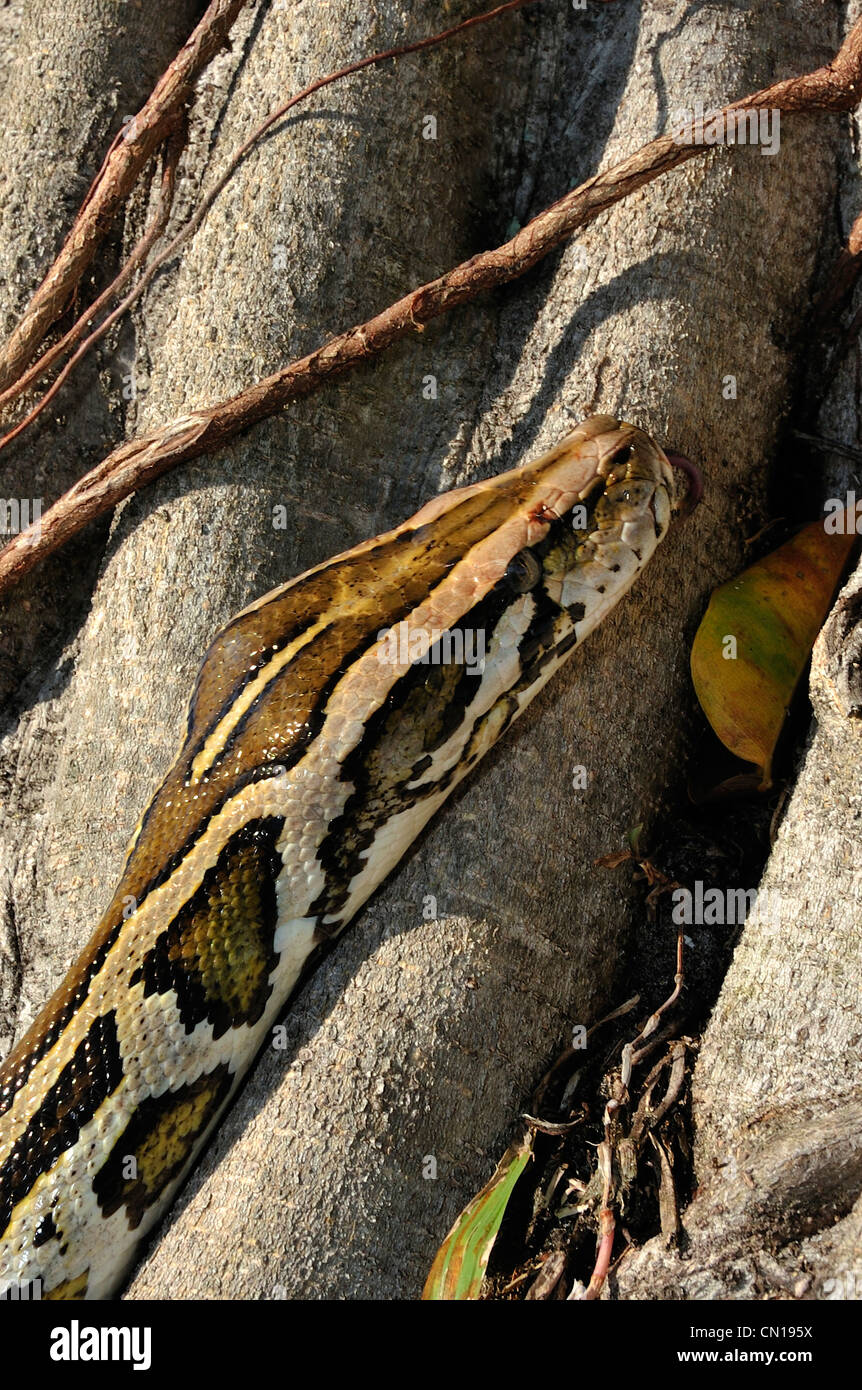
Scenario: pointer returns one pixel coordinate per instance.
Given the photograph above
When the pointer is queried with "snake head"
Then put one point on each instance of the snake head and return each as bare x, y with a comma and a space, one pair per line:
606, 498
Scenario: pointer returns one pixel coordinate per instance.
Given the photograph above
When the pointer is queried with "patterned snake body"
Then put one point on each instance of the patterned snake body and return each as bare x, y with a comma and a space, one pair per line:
317, 748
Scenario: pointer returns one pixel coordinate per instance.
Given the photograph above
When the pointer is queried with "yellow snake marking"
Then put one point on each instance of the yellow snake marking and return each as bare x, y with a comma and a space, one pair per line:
214, 745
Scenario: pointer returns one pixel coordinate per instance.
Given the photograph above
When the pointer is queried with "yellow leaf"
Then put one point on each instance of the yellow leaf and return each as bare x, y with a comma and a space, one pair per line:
756, 636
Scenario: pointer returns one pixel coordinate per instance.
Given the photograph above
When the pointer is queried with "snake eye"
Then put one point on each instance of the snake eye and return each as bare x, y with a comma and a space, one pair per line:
523, 571
616, 467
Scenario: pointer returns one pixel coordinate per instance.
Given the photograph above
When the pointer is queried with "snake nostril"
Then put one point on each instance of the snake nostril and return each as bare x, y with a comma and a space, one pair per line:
622, 455
615, 469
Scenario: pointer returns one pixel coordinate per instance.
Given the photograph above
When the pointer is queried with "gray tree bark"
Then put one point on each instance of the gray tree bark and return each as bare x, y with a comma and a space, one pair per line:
417, 1037
777, 1098
777, 1095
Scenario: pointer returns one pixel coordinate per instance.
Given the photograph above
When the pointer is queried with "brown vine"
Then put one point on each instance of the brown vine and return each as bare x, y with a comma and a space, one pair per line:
835, 87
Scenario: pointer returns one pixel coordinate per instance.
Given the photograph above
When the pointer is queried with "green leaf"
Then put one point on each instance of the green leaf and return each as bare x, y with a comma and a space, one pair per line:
634, 838
756, 637
460, 1264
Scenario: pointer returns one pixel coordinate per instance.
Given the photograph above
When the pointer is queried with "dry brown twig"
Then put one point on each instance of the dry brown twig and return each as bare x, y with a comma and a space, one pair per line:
17, 387
562, 1065
835, 87
645, 1118
668, 1203
607, 1193
164, 202
631, 1057
644, 1123
548, 1277
130, 151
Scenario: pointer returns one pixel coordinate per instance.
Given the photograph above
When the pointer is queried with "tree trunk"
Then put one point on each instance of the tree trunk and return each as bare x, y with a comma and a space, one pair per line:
777, 1097
425, 1031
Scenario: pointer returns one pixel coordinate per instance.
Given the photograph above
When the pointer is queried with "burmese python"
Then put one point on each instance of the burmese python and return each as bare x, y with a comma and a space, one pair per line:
316, 749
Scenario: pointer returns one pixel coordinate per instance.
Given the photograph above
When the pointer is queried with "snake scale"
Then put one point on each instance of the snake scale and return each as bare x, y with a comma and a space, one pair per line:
316, 749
